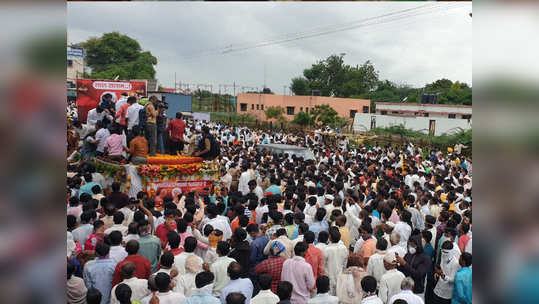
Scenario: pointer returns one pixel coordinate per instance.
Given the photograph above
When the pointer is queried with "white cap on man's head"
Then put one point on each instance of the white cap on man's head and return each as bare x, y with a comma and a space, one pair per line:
389, 257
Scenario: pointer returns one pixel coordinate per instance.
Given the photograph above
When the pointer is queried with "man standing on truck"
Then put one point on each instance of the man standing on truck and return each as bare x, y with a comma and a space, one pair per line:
151, 127
175, 131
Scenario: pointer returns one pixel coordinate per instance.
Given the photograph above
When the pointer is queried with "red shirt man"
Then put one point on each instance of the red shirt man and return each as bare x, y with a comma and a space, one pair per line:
169, 225
176, 128
315, 257
122, 114
272, 266
143, 269
162, 230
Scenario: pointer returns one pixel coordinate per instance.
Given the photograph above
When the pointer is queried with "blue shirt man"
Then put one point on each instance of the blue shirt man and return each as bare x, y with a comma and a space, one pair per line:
201, 298
98, 273
203, 283
257, 248
87, 188
237, 284
462, 288
318, 226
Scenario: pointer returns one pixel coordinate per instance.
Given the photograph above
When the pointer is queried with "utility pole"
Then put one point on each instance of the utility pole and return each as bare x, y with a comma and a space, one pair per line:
226, 86
284, 90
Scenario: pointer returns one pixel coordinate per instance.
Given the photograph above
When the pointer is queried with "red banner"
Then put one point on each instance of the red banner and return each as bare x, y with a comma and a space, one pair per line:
168, 188
173, 189
91, 91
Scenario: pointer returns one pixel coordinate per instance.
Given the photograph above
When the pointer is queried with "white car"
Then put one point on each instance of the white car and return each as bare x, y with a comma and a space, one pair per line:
287, 149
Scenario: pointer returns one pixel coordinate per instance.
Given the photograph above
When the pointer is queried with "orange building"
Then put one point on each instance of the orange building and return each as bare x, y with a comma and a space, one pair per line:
255, 104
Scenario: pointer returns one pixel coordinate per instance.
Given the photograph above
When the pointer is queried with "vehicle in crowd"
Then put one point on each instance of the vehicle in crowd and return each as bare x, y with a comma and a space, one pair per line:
287, 149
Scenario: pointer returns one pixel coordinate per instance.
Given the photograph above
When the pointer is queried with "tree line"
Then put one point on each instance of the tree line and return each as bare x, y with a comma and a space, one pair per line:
333, 78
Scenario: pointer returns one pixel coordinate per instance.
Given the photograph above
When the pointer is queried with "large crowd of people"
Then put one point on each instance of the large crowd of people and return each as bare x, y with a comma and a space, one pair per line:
370, 224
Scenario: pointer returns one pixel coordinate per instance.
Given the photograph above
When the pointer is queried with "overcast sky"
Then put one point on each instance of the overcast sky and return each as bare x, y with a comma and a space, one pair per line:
425, 44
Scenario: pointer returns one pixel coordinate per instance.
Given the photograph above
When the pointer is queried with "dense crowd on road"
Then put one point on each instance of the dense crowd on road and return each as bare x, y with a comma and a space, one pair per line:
368, 224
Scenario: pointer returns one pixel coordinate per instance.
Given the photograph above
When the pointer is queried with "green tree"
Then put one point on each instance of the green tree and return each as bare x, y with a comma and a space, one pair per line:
114, 54
440, 84
302, 119
324, 114
300, 86
334, 78
359, 80
450, 92
275, 112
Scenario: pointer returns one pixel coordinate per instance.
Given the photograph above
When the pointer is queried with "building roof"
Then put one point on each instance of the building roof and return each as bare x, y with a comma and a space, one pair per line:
422, 104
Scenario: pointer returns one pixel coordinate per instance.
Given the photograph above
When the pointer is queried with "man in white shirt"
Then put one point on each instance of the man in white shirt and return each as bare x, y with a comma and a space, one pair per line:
406, 294
265, 296
335, 257
395, 240
97, 114
217, 222
322, 290
117, 252
220, 266
254, 188
164, 294
100, 137
390, 283
189, 245
118, 219
449, 265
403, 228
139, 287
245, 177
132, 115
375, 266
368, 285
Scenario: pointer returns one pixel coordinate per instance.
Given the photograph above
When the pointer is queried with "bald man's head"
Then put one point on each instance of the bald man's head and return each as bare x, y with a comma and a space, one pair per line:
128, 269
234, 270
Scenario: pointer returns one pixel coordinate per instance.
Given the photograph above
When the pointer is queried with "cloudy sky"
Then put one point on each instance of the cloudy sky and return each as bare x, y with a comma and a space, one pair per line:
219, 43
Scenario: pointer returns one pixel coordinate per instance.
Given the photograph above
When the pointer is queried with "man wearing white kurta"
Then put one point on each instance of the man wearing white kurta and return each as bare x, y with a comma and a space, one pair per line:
449, 263
375, 266
335, 257
390, 283
404, 230
219, 268
406, 294
139, 287
245, 177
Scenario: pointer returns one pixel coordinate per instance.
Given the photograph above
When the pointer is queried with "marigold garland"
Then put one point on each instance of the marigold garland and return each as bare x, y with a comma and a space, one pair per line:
163, 159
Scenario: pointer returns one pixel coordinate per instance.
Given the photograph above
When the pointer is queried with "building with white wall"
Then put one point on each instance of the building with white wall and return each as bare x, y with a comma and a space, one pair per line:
424, 110
435, 119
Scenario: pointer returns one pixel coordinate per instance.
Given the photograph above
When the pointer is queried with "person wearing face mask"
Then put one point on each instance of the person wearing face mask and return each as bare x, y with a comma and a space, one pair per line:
445, 274
450, 234
416, 263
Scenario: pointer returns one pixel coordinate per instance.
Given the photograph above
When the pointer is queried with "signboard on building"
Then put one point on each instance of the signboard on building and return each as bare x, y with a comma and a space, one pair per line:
75, 53
90, 92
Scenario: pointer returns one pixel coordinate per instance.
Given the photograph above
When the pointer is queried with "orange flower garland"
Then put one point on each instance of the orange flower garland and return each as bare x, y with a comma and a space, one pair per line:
163, 159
